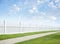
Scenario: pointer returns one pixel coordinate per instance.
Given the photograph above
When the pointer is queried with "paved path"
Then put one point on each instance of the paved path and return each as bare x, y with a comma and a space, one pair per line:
21, 39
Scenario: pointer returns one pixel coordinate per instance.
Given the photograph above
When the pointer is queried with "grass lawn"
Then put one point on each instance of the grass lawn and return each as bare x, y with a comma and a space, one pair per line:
50, 39
8, 36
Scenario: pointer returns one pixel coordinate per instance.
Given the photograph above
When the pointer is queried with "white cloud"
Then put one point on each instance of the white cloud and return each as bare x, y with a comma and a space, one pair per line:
55, 4
14, 9
17, 8
33, 10
56, 1
37, 17
52, 18
40, 2
51, 4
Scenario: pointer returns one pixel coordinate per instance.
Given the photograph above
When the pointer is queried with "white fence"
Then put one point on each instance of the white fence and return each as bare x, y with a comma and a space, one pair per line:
18, 29
13, 29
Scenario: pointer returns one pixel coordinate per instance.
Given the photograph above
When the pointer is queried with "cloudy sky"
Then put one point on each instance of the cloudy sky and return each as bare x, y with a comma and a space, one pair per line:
30, 12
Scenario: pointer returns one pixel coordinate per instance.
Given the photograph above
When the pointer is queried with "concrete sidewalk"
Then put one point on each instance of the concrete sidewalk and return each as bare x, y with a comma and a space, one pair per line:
21, 39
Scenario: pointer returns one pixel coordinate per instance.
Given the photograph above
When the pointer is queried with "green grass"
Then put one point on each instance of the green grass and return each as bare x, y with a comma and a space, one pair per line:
8, 36
50, 39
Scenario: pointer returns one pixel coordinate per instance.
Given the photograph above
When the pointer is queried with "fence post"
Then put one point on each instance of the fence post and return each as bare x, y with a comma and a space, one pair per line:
4, 27
19, 27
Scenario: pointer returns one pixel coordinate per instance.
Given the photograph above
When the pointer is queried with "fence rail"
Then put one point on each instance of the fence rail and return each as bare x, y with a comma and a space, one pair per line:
14, 29
19, 29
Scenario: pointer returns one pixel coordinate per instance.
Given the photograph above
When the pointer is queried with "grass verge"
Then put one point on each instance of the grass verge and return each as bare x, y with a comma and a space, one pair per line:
8, 36
49, 39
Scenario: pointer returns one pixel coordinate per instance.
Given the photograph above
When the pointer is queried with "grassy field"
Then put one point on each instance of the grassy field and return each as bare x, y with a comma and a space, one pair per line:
8, 36
50, 39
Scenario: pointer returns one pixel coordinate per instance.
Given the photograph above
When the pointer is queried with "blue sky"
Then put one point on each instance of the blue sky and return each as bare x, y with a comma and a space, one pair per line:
30, 12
